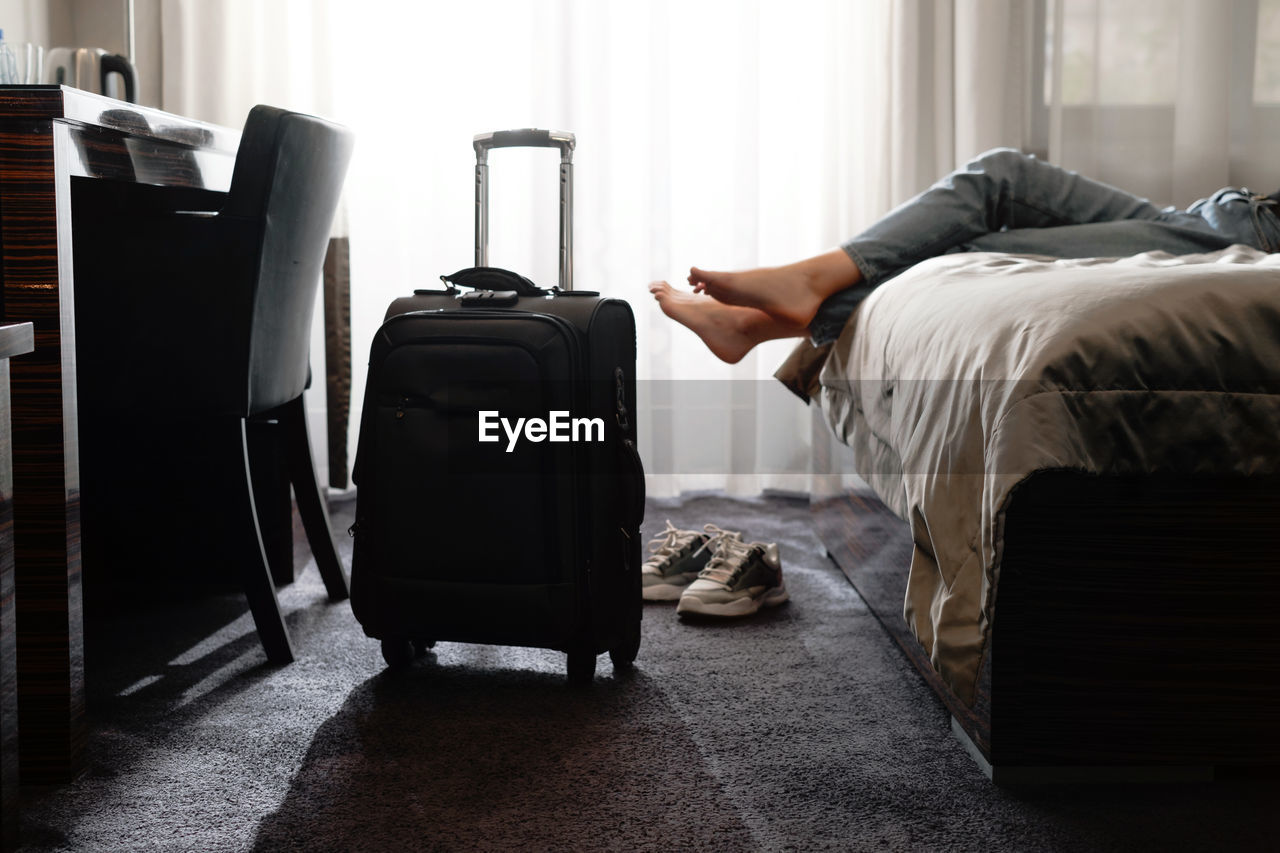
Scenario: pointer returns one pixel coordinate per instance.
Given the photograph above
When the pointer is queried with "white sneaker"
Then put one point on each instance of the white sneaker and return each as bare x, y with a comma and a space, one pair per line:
676, 556
740, 578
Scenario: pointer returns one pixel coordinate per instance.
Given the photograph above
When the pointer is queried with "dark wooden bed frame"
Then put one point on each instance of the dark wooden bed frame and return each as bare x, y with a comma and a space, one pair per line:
1136, 630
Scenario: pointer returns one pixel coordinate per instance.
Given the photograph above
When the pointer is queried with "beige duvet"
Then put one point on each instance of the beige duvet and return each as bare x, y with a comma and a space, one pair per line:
967, 373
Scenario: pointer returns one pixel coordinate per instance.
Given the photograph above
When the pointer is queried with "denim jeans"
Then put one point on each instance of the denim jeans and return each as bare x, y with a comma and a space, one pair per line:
1007, 201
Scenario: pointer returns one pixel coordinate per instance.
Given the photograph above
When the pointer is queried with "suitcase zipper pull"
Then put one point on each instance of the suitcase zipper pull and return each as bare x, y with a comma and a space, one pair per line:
400, 408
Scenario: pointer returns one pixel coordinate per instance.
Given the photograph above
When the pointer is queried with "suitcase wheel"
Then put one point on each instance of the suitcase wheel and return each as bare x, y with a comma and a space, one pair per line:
582, 668
623, 655
397, 652
421, 647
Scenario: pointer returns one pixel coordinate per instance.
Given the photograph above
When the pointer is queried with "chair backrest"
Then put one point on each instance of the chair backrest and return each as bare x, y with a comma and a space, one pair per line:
285, 188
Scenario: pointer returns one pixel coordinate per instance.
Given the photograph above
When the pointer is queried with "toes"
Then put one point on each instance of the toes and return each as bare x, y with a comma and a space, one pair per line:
700, 279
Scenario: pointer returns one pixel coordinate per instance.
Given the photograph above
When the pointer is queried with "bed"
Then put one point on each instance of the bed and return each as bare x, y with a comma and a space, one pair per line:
1085, 454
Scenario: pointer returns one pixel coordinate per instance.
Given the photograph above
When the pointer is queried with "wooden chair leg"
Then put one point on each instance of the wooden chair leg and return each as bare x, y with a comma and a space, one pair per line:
259, 587
312, 506
270, 470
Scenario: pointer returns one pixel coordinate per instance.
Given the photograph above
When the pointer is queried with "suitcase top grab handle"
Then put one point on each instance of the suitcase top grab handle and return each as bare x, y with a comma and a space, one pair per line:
526, 138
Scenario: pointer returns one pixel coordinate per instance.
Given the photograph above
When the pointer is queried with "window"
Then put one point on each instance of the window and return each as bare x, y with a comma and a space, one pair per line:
1118, 53
1126, 54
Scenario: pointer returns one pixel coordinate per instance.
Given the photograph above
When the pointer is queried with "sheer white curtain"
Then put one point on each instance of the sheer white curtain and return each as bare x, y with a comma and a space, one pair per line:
722, 133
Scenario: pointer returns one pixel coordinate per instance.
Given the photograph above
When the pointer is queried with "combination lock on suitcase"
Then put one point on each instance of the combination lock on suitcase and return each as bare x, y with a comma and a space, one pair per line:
500, 491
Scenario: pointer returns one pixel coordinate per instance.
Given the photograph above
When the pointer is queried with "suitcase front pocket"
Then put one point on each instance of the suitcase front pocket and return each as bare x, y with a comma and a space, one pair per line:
451, 507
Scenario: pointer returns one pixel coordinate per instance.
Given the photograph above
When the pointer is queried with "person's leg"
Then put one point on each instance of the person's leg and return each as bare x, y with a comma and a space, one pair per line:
999, 190
791, 293
1227, 217
1001, 201
729, 331
1101, 240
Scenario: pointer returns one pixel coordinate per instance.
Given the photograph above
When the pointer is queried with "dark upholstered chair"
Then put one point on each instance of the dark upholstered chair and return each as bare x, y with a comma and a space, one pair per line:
195, 307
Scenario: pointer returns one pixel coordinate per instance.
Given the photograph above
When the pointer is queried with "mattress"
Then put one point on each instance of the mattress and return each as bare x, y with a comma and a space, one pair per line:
958, 379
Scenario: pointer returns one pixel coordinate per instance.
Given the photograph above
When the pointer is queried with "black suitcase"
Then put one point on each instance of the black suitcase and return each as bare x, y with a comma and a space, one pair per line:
500, 492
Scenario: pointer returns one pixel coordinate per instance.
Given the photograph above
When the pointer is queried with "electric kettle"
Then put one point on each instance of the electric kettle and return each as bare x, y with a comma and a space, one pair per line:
89, 68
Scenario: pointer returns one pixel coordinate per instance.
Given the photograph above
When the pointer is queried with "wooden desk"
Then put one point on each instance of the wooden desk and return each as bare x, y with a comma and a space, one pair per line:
49, 137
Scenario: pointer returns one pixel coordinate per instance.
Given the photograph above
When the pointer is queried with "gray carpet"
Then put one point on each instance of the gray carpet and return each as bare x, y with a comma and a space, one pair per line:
802, 728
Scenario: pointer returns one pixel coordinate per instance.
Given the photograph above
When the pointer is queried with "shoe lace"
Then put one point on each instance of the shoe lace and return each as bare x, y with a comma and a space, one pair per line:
666, 544
728, 554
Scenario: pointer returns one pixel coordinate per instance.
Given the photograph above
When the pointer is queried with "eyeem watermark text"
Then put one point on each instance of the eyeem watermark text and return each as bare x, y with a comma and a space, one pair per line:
558, 427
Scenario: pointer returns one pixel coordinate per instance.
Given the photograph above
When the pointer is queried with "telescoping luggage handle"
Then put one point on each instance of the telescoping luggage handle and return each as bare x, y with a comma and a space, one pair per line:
527, 138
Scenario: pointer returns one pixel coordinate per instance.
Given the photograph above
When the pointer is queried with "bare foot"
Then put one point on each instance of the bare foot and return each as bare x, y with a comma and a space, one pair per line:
729, 331
791, 293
